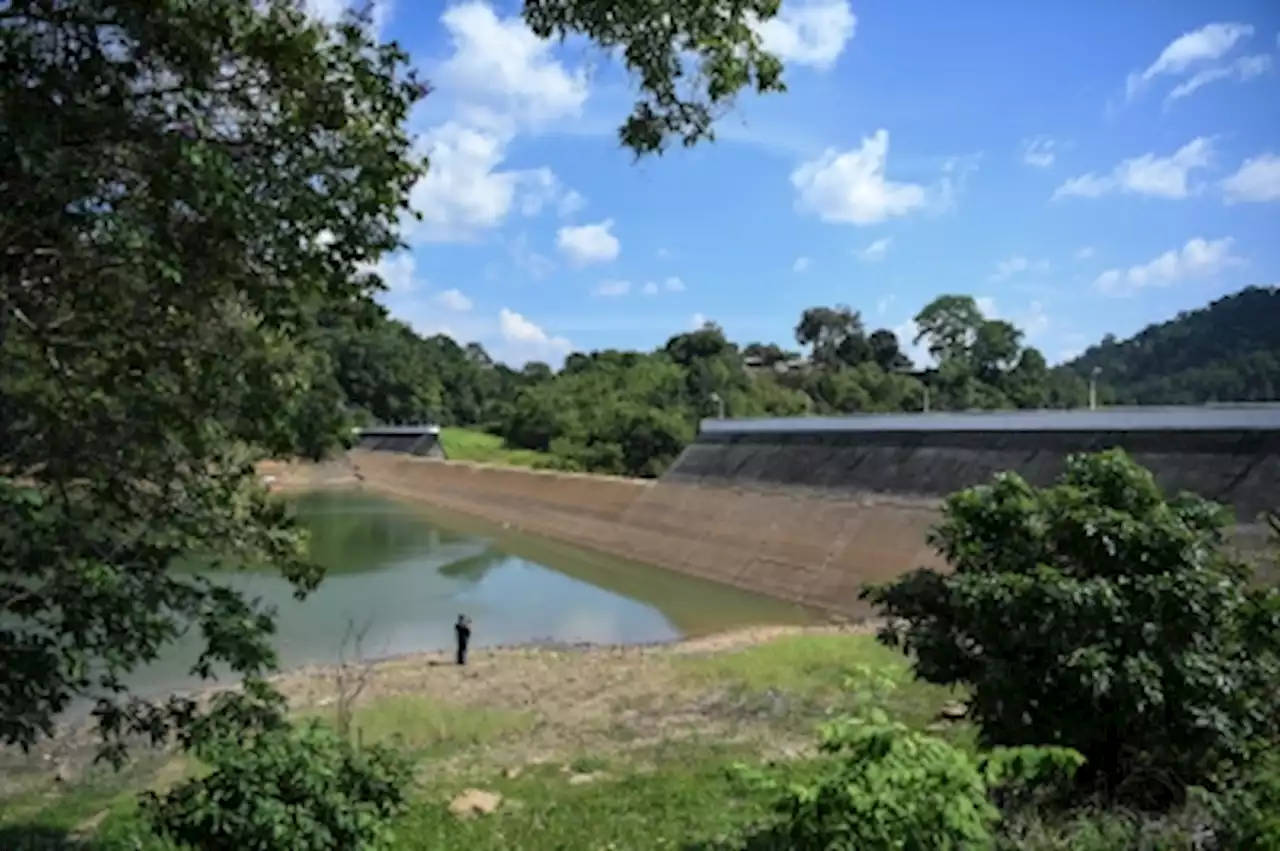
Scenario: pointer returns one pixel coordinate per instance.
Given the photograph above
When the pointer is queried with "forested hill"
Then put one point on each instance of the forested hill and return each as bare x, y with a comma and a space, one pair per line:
1227, 351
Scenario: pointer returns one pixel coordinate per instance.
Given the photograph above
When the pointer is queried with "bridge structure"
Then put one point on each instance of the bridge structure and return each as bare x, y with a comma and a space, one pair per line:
422, 439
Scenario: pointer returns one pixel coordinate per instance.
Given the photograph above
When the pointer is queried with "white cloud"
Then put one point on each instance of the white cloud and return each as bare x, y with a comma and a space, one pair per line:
587, 244
883, 305
1243, 69
1086, 252
330, 11
464, 193
1155, 176
906, 332
454, 300
809, 32
850, 187
650, 288
1011, 266
504, 72
398, 271
697, 321
1199, 258
801, 264
876, 251
1207, 44
1032, 321
523, 340
504, 80
1257, 180
570, 203
1039, 152
613, 288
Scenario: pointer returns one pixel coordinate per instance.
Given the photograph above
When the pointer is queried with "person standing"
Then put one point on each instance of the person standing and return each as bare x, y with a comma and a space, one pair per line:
462, 631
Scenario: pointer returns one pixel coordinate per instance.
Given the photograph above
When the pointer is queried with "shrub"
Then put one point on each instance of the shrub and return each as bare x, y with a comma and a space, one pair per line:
895, 789
1098, 615
285, 787
1248, 815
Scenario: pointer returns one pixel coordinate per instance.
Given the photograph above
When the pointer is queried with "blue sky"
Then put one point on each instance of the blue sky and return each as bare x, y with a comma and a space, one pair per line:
1083, 168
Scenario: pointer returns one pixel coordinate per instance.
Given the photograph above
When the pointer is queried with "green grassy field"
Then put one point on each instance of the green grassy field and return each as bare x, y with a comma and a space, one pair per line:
462, 444
625, 750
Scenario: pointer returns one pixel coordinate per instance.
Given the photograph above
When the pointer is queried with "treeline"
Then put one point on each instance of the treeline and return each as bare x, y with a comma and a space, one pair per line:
1228, 351
632, 412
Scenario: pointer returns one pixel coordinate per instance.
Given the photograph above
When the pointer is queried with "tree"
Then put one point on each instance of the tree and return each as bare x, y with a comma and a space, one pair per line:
887, 352
949, 325
1098, 615
691, 59
834, 335
189, 187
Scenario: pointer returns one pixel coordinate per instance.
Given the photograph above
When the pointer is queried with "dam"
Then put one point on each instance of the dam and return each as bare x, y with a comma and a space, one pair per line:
809, 509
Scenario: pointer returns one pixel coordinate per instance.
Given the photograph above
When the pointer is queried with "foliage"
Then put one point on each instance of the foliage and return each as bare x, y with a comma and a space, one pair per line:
897, 789
1225, 352
284, 787
1096, 614
188, 187
690, 58
1248, 813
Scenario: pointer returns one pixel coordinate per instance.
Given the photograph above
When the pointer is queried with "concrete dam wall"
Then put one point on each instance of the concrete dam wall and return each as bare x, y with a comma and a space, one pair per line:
810, 509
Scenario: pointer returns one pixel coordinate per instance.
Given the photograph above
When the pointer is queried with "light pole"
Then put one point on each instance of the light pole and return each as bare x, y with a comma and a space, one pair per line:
1093, 388
926, 398
715, 397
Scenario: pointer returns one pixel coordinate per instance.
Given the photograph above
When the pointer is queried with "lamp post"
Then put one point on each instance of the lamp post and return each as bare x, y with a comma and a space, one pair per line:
715, 397
926, 398
1093, 388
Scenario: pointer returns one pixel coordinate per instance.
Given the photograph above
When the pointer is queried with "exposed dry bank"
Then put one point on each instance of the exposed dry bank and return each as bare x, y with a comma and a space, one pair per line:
555, 730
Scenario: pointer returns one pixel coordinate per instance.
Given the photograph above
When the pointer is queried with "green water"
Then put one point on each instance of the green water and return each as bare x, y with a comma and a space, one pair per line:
403, 576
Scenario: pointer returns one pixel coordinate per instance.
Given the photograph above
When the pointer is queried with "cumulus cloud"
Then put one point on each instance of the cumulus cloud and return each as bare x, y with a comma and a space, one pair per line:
809, 32
800, 264
524, 340
465, 193
587, 244
851, 187
1207, 44
671, 284
1199, 258
876, 251
1256, 181
1149, 174
505, 81
1086, 252
506, 74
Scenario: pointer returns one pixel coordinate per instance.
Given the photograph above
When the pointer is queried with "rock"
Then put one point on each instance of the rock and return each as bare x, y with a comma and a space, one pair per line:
954, 711
475, 802
581, 779
512, 773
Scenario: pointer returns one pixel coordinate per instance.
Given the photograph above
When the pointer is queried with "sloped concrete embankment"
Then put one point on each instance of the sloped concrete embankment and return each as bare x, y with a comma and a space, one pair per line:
811, 517
806, 546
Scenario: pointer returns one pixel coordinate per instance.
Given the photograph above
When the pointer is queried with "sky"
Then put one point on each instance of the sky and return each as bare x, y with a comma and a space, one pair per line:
1080, 167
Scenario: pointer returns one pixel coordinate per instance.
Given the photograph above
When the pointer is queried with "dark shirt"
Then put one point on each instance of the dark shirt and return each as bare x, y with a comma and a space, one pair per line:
464, 632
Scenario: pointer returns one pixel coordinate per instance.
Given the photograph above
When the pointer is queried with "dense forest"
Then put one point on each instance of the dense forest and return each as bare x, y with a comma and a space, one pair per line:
1228, 351
631, 412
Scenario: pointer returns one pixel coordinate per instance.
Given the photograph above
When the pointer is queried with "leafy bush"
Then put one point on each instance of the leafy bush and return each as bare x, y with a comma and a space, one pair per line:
1098, 615
1248, 815
285, 787
895, 789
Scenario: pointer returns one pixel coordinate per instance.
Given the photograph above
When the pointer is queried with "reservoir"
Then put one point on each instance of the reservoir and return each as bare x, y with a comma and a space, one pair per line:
398, 578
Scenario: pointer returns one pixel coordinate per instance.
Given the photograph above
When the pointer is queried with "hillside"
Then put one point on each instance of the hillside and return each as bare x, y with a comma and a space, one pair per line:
1226, 351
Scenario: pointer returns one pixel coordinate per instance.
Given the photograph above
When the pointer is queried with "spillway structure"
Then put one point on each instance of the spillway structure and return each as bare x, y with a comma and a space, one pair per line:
421, 440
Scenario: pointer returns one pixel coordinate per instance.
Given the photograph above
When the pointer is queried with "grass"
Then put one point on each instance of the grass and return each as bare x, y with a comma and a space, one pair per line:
621, 750
462, 444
